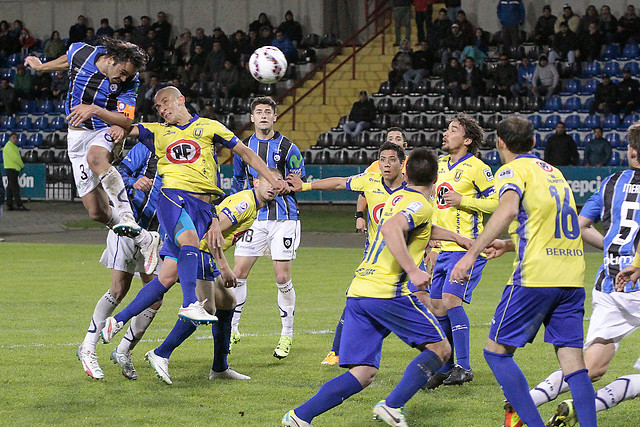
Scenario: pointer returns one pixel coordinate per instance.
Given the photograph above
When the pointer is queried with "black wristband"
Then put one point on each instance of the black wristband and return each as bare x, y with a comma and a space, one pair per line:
213, 211
359, 214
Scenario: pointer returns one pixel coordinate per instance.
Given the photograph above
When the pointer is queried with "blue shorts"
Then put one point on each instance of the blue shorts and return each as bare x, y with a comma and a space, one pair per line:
441, 278
410, 285
522, 310
368, 321
207, 268
171, 204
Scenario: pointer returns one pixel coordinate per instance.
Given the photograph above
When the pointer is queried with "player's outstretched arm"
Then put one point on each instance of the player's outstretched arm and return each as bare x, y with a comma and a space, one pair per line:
327, 184
589, 233
393, 231
58, 64
440, 233
83, 112
253, 160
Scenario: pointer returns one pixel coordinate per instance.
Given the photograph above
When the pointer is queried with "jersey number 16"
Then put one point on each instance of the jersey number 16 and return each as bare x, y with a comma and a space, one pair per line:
566, 216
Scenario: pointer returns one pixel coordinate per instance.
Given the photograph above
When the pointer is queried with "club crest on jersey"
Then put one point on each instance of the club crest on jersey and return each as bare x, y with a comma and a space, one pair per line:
183, 151
458, 175
113, 87
287, 242
276, 157
377, 212
108, 137
197, 132
443, 189
396, 199
545, 166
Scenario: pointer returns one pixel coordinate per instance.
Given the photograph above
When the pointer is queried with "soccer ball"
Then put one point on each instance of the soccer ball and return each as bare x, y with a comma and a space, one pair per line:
267, 64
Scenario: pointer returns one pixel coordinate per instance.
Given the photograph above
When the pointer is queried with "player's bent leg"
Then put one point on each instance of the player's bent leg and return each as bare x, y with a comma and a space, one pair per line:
576, 375
598, 356
440, 312
623, 388
96, 202
461, 372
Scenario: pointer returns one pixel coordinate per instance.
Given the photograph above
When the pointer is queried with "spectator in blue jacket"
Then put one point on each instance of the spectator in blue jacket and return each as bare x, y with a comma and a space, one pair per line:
598, 151
524, 85
282, 42
511, 15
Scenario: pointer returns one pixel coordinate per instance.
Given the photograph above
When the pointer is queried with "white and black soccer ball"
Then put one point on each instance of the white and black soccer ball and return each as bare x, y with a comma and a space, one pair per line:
267, 64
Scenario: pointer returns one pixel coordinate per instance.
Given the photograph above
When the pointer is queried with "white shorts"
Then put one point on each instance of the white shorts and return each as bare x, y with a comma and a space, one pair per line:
122, 254
615, 315
78, 143
278, 238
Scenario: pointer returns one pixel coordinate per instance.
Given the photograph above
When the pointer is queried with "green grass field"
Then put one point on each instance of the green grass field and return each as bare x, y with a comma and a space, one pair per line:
47, 295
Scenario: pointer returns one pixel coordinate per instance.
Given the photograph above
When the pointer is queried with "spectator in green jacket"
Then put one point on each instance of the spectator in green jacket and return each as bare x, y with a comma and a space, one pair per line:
598, 150
12, 167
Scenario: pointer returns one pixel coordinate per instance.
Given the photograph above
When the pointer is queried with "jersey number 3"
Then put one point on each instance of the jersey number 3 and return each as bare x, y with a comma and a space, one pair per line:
566, 216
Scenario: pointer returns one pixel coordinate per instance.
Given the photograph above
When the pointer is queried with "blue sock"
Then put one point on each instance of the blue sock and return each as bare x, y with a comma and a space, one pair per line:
415, 376
180, 332
583, 397
188, 273
221, 338
445, 324
338, 335
150, 293
331, 394
460, 332
514, 387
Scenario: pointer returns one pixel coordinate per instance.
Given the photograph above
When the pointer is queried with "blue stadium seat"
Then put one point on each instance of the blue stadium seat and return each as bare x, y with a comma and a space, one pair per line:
591, 121
22, 140
35, 140
611, 121
41, 124
615, 159
572, 122
587, 139
628, 121
624, 143
577, 139
611, 51
630, 51
45, 107
538, 141
632, 66
586, 106
546, 139
14, 60
625, 162
571, 87
27, 107
59, 107
58, 123
612, 68
551, 121
4, 138
591, 69
25, 123
536, 120
553, 104
9, 123
9, 73
572, 104
614, 139
589, 87
492, 158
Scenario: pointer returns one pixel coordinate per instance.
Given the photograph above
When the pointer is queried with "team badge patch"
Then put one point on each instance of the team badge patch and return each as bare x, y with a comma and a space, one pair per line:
276, 157
197, 132
458, 175
113, 87
507, 173
241, 207
396, 200
287, 241
414, 207
488, 174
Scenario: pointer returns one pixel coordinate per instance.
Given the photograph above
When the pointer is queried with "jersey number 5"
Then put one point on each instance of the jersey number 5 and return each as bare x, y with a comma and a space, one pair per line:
566, 216
628, 226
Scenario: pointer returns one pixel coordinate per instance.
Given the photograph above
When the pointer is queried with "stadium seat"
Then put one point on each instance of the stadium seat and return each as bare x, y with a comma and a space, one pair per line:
14, 60
514, 105
339, 156
307, 155
382, 121
437, 105
551, 121
385, 105
545, 140
4, 138
554, 103
435, 140
421, 105
591, 121
632, 66
41, 124
403, 105
9, 123
538, 141
45, 107
27, 107
490, 141
325, 140
572, 104
22, 140
58, 123
362, 140
420, 122
25, 123
458, 104
497, 105
35, 140
492, 122
342, 140
628, 121
586, 106
438, 122
625, 142
536, 120
614, 140
591, 69
438, 89
577, 139
418, 140
615, 159
403, 88
30, 156
572, 122
59, 107
534, 103
571, 87
612, 68
492, 158
310, 40
589, 87
630, 51
587, 139
611, 51
423, 87
360, 157
476, 105
611, 121
401, 121
9, 74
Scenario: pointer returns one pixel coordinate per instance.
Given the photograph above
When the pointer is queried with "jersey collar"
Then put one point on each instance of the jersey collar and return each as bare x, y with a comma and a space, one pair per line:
527, 156
463, 158
255, 197
193, 119
276, 135
389, 190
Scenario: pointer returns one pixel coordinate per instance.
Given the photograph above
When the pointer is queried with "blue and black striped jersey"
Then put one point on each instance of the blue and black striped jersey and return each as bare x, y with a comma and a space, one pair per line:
616, 204
278, 152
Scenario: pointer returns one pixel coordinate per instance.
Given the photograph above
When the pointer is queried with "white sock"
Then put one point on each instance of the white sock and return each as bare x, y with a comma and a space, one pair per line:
104, 308
113, 185
241, 297
287, 305
550, 388
114, 220
619, 390
143, 239
138, 326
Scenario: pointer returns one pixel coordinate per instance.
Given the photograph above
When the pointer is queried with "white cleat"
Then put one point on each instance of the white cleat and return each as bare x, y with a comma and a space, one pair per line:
111, 328
229, 374
127, 227
160, 365
125, 362
290, 419
150, 253
392, 416
89, 361
195, 312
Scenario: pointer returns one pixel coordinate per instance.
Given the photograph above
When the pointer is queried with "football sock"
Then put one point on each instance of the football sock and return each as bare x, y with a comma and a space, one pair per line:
514, 387
188, 273
415, 376
445, 324
241, 297
460, 333
138, 326
113, 185
221, 331
583, 397
287, 305
180, 332
338, 335
619, 390
150, 293
143, 239
114, 219
330, 395
550, 388
105, 306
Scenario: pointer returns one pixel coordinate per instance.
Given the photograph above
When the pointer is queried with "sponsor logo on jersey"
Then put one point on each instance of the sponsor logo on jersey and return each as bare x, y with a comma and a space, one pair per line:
377, 212
241, 207
414, 207
183, 151
507, 173
545, 166
396, 199
488, 174
443, 189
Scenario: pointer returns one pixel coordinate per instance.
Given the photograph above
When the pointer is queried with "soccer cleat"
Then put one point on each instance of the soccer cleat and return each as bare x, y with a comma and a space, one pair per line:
436, 380
284, 346
150, 253
89, 361
511, 417
127, 227
458, 376
331, 359
195, 312
392, 416
160, 365
111, 328
228, 374
235, 339
565, 415
290, 419
125, 362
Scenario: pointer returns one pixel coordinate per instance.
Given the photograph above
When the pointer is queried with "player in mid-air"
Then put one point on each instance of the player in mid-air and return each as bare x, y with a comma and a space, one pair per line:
139, 172
103, 84
185, 146
615, 314
464, 192
216, 280
277, 228
379, 302
547, 284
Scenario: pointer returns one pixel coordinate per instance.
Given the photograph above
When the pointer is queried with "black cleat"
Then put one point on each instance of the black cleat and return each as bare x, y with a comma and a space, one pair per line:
436, 380
459, 376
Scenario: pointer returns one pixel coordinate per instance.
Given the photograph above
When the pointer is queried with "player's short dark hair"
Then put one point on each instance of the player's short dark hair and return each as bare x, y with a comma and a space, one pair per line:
123, 52
422, 167
276, 171
634, 136
472, 130
396, 129
13, 133
517, 134
390, 146
263, 100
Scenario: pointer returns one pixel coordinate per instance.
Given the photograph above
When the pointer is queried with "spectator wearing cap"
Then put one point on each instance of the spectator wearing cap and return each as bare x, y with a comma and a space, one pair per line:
466, 28
605, 98
105, 29
628, 92
440, 29
571, 19
628, 26
453, 45
545, 27
591, 44
262, 21
362, 114
291, 28
561, 149
597, 151
506, 76
608, 24
453, 6
511, 14
402, 18
282, 42
524, 85
565, 45
545, 78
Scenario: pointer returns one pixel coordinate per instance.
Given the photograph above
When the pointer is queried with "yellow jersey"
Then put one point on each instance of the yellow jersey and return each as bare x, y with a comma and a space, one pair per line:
379, 275
545, 233
473, 179
375, 167
186, 154
372, 187
242, 209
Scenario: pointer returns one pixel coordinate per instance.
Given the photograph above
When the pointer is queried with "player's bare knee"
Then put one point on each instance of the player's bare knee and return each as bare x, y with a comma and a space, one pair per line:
441, 348
364, 374
283, 278
450, 301
156, 305
98, 159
